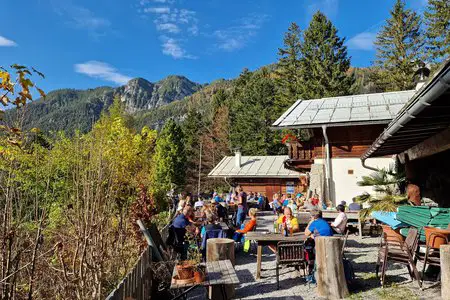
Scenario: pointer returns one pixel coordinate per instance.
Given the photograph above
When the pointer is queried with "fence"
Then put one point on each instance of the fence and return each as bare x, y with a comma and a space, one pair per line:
138, 283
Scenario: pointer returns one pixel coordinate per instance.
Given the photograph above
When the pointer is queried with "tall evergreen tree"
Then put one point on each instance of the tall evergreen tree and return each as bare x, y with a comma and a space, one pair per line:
169, 159
252, 115
399, 47
288, 70
437, 19
324, 62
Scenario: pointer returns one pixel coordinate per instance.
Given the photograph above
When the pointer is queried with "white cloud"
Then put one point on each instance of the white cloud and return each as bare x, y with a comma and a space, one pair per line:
193, 29
328, 7
170, 19
238, 36
101, 70
362, 41
168, 27
171, 47
80, 17
157, 10
4, 42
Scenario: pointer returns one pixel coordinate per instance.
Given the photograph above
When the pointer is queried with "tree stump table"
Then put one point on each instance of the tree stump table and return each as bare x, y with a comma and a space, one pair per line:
220, 249
330, 276
445, 271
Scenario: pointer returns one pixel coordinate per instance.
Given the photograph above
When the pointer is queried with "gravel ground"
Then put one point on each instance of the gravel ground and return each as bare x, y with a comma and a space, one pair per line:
361, 252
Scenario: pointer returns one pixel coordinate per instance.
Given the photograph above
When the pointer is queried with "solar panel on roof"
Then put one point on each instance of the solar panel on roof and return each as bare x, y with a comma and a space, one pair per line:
369, 107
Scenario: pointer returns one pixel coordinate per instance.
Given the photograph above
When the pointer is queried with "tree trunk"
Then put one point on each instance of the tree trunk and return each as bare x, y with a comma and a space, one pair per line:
445, 272
330, 276
220, 249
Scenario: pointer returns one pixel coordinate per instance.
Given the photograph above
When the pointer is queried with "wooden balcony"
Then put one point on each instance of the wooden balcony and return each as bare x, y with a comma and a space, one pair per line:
301, 156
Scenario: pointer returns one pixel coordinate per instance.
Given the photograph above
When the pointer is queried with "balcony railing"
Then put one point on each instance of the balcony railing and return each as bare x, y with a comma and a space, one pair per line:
300, 150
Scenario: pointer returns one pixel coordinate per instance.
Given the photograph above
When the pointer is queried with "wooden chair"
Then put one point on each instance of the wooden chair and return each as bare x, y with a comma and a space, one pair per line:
398, 250
290, 253
434, 239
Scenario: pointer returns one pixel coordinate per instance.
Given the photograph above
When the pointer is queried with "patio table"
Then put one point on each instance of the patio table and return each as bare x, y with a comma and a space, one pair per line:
352, 215
217, 273
269, 238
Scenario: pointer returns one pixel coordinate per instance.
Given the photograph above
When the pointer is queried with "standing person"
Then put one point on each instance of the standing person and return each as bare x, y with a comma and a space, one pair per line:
340, 223
317, 226
242, 207
181, 224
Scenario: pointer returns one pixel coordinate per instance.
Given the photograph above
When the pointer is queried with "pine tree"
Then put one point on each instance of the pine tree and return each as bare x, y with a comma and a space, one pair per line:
399, 47
288, 70
324, 62
169, 159
437, 19
252, 115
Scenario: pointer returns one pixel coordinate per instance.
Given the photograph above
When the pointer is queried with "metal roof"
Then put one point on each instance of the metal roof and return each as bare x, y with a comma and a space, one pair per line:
253, 166
425, 115
364, 109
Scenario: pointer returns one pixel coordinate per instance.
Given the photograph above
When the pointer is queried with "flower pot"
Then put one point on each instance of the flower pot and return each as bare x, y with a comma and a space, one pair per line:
436, 237
185, 271
199, 276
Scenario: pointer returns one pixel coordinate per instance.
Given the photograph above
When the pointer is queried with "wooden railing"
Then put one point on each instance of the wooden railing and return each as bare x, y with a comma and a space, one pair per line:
301, 150
138, 283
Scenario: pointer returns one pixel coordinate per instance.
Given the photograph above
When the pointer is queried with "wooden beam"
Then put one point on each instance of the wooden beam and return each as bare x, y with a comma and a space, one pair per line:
433, 145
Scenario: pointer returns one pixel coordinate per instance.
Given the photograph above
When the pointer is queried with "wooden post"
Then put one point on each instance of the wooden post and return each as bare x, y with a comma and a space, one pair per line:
220, 249
330, 276
445, 272
150, 241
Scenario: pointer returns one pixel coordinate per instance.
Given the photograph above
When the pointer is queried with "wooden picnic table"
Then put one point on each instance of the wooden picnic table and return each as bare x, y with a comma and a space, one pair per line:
217, 273
352, 215
269, 238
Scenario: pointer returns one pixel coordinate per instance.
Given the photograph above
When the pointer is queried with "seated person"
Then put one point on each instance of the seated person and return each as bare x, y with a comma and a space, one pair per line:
210, 224
260, 201
275, 204
354, 206
340, 223
317, 226
308, 204
288, 221
248, 226
293, 205
220, 210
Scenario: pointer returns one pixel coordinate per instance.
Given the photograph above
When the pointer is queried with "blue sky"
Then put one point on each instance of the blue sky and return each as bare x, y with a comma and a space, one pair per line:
84, 44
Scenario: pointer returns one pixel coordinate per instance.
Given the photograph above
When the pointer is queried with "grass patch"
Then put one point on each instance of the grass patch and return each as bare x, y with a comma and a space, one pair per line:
395, 292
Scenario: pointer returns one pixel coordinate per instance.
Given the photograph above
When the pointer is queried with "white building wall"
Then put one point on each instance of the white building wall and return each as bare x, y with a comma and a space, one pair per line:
344, 184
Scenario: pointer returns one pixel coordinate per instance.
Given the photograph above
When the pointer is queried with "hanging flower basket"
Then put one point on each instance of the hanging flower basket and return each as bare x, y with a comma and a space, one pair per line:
289, 138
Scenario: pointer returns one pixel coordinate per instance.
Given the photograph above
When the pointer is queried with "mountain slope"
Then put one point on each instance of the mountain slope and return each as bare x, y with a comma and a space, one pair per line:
70, 110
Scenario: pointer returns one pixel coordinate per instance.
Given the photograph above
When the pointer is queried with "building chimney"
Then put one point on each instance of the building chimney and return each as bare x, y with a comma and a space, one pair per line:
421, 75
237, 159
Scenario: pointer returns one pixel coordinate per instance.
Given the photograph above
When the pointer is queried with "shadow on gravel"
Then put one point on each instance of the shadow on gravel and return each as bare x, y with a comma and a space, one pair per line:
351, 243
259, 288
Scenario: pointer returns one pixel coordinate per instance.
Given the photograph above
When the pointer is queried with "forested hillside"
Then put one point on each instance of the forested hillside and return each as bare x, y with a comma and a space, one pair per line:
69, 110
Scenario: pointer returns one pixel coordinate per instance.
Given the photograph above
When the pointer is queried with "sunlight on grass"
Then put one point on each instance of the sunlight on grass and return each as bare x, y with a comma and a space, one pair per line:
395, 292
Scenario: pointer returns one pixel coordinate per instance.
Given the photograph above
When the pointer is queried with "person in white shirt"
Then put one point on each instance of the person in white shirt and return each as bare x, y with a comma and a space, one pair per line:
199, 203
340, 223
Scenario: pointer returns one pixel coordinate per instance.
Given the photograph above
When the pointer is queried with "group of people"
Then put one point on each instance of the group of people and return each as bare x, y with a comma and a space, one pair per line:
287, 223
200, 216
280, 201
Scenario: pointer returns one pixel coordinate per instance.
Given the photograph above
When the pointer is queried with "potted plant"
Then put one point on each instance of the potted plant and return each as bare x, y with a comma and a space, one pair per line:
388, 187
195, 259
